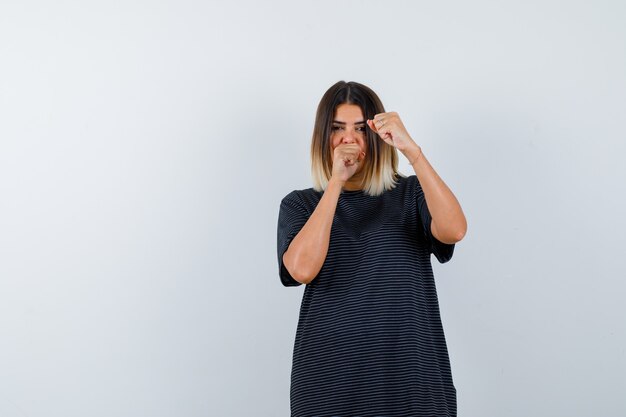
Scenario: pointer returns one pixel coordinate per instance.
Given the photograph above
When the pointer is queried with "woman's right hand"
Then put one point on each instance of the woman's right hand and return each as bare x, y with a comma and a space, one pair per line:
347, 158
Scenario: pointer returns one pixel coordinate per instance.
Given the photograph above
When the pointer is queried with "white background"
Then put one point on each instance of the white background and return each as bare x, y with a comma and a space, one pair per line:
145, 147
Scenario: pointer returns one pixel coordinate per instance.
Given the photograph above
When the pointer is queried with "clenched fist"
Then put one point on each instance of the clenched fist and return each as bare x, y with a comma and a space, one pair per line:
347, 158
391, 129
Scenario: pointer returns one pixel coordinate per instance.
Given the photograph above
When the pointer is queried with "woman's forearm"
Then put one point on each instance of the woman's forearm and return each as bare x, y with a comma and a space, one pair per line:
448, 221
307, 251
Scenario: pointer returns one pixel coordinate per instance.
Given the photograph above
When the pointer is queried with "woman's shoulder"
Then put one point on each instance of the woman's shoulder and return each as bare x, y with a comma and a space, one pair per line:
404, 183
406, 190
306, 197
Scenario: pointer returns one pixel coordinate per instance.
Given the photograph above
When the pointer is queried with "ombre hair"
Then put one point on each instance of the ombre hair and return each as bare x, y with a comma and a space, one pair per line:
380, 166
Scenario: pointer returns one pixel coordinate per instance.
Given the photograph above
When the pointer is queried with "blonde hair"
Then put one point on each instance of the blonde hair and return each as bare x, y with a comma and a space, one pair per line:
380, 167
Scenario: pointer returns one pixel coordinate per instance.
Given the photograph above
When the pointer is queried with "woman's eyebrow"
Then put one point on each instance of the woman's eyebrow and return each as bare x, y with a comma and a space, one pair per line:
343, 123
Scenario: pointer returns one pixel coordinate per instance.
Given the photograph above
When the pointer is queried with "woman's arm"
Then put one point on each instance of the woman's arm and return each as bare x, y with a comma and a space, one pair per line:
448, 221
449, 224
307, 251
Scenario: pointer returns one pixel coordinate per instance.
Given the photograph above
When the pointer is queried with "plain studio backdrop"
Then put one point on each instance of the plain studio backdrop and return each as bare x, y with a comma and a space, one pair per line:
145, 148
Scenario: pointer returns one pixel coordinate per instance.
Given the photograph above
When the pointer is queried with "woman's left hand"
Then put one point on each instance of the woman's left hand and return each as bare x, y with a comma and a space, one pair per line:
391, 129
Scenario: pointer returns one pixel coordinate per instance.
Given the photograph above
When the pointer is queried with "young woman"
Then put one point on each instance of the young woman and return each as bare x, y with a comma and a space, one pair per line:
369, 340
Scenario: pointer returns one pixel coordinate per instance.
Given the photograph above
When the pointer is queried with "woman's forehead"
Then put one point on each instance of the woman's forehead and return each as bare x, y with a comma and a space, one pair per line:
348, 113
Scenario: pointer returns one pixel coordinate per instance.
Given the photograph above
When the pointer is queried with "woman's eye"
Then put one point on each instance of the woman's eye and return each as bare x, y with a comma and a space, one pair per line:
360, 129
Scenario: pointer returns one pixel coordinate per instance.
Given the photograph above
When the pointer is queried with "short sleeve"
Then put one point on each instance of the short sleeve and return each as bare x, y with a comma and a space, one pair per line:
442, 251
291, 218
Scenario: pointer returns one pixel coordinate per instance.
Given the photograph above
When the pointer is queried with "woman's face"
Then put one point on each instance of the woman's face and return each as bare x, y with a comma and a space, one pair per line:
348, 127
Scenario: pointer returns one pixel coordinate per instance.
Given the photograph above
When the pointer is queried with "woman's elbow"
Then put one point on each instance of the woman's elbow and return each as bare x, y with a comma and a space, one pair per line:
458, 233
302, 278
461, 234
449, 235
298, 271
303, 275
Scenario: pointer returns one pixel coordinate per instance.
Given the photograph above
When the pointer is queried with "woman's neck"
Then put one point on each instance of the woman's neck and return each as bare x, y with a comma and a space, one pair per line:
354, 183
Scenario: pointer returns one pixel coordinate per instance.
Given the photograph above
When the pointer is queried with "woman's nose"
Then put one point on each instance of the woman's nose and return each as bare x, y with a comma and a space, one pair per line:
348, 137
